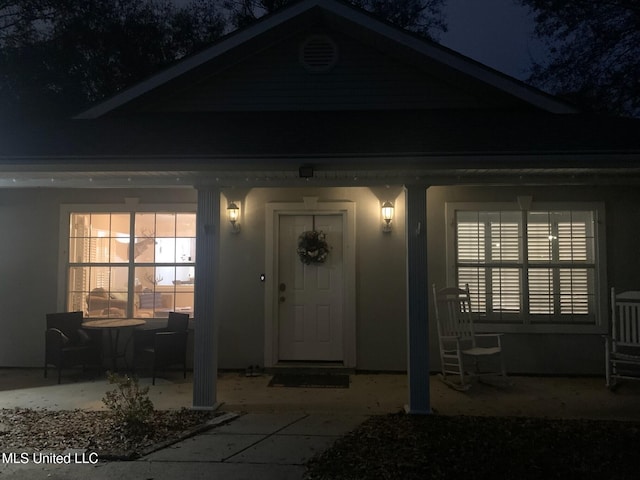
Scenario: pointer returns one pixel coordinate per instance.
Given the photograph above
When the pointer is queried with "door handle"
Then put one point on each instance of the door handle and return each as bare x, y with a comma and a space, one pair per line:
282, 287
282, 299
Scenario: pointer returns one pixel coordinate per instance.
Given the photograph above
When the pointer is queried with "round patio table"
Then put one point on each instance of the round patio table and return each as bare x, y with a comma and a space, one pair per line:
113, 326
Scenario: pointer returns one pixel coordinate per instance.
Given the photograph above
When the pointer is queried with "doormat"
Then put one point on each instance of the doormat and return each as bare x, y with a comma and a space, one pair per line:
309, 381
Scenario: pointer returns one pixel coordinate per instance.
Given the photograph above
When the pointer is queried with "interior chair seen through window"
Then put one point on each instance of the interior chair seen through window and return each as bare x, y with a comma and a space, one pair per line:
101, 303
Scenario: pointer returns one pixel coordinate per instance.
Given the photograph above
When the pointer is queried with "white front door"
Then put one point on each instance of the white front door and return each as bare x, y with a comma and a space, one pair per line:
310, 298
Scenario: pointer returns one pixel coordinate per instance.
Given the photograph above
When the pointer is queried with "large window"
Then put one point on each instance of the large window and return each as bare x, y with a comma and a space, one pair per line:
528, 267
131, 264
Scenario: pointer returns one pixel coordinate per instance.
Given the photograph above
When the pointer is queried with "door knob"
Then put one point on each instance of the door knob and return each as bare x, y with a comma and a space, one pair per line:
282, 299
282, 287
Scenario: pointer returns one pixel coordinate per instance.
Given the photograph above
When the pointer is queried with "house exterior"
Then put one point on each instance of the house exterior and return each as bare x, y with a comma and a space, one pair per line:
314, 119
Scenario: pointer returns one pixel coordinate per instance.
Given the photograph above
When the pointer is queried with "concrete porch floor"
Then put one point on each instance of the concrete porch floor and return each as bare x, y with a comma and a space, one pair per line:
368, 394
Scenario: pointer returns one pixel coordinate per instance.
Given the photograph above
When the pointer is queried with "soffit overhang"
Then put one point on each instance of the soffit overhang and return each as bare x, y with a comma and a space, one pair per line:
269, 148
611, 169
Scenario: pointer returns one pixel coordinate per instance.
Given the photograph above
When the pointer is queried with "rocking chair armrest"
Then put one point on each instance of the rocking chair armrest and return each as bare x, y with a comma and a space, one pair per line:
490, 335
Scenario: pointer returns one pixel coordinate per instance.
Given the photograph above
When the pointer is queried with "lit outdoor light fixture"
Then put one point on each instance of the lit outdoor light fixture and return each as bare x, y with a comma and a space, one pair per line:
233, 212
387, 215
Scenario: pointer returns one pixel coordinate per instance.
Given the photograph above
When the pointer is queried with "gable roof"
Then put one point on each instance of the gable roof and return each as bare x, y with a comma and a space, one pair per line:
342, 17
126, 140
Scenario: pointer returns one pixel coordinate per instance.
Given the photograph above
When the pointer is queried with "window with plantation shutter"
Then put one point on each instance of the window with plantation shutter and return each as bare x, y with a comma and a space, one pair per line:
533, 267
561, 264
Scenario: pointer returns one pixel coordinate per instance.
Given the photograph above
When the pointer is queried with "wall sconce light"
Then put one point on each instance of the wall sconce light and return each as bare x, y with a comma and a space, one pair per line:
387, 215
233, 212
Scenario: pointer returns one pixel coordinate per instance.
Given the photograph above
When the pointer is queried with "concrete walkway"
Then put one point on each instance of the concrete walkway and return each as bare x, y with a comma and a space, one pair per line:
270, 434
253, 446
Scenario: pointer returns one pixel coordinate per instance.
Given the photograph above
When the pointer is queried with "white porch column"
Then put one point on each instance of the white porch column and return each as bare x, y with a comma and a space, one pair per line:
417, 300
205, 343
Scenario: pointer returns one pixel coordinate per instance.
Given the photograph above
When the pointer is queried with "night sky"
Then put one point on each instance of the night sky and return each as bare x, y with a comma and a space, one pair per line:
497, 33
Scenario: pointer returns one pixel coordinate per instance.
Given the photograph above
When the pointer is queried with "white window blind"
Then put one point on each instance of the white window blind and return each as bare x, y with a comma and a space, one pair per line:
538, 265
471, 241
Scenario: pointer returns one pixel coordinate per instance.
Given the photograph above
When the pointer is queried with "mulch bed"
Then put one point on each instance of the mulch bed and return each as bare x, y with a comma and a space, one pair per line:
403, 446
31, 431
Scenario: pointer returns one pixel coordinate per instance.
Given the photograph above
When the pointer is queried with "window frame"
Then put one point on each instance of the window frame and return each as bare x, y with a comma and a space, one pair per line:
524, 323
129, 207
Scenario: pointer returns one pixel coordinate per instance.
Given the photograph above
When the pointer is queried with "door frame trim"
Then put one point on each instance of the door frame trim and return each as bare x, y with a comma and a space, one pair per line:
310, 206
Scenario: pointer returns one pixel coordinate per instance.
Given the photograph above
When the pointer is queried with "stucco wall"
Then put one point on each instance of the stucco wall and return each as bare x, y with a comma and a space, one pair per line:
380, 276
29, 249
28, 259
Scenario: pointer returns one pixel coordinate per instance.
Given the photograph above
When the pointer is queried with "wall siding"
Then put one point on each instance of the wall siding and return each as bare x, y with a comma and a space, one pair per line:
363, 79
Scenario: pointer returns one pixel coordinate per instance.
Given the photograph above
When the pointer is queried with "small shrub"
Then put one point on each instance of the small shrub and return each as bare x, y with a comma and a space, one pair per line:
130, 405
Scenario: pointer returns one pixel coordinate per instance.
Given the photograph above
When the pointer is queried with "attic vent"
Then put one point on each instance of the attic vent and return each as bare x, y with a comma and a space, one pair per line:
318, 53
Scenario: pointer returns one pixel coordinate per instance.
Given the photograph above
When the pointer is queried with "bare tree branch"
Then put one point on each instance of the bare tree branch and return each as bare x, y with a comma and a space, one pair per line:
596, 52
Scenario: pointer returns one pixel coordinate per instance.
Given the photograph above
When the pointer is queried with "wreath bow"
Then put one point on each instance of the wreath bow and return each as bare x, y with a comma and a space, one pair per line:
313, 247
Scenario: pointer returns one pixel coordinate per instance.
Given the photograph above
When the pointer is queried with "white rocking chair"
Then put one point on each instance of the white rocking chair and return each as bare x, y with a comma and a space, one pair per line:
622, 347
458, 339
